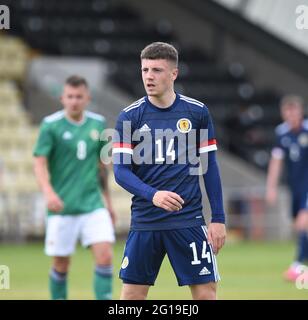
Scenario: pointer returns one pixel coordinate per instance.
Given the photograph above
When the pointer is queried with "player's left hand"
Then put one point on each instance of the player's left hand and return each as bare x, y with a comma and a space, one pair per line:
216, 236
301, 222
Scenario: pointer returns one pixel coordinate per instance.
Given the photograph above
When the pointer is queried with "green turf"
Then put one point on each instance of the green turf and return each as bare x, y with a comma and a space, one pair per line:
248, 271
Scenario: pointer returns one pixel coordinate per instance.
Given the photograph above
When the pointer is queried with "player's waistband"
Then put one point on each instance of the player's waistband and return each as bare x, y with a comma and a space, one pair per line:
167, 225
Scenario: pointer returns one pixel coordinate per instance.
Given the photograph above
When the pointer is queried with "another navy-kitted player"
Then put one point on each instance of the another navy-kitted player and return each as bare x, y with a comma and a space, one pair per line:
292, 148
159, 140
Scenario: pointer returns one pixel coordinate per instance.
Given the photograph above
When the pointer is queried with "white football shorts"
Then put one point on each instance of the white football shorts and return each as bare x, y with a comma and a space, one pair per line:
63, 231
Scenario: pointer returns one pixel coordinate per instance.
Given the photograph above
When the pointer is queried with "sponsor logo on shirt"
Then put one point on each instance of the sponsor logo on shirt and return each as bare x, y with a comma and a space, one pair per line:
145, 128
67, 135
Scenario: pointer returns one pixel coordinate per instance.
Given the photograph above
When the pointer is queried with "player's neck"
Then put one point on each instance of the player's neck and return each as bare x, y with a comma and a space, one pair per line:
164, 101
296, 126
77, 119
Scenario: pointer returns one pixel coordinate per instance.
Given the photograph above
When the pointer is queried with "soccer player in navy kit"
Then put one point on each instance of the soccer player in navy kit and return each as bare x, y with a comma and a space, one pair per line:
292, 147
167, 204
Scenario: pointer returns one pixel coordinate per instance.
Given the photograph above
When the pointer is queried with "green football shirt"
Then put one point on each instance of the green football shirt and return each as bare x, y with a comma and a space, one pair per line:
73, 154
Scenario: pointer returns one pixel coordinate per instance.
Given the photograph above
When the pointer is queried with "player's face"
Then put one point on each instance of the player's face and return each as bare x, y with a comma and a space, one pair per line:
75, 100
158, 76
292, 114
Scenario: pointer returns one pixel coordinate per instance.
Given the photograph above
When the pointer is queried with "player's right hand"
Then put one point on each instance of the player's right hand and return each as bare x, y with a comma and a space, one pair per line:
54, 203
168, 200
301, 221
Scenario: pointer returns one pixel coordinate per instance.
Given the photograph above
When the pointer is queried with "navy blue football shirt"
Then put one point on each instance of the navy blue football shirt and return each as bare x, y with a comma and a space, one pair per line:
293, 147
162, 146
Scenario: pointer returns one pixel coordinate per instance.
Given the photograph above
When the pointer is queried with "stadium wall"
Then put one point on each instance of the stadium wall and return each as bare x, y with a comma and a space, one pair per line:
231, 42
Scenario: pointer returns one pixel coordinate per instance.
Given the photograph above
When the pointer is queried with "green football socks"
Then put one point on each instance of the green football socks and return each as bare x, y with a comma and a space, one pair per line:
103, 282
57, 285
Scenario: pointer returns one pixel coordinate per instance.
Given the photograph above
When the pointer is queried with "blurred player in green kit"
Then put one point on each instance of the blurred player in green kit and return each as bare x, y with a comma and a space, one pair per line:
70, 174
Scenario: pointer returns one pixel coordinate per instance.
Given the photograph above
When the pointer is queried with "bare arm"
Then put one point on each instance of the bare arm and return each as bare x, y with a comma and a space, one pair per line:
54, 203
106, 192
274, 171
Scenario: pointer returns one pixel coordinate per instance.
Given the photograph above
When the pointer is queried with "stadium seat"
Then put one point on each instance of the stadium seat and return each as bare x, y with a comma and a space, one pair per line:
17, 138
13, 58
117, 32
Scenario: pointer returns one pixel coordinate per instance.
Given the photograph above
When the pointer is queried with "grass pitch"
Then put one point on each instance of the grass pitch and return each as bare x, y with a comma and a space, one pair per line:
248, 270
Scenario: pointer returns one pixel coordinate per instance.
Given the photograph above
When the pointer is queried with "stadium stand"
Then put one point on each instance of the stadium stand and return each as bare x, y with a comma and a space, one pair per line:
268, 16
17, 132
116, 31
17, 136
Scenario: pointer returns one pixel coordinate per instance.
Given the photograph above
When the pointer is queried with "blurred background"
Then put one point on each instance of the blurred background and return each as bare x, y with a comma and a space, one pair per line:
237, 56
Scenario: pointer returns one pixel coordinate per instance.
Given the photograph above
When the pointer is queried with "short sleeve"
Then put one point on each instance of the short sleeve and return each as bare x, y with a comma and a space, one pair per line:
103, 141
278, 151
44, 143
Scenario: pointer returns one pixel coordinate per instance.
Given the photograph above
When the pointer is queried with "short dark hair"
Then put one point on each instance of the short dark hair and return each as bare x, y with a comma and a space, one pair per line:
291, 99
160, 50
76, 81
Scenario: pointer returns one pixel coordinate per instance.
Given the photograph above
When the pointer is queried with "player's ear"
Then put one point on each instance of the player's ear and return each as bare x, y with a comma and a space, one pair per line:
175, 73
88, 97
88, 94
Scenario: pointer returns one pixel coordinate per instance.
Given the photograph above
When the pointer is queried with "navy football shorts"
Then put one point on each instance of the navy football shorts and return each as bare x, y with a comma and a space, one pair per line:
299, 202
192, 259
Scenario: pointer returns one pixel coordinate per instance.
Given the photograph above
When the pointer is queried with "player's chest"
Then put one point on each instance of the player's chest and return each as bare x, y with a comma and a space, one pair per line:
77, 140
166, 124
296, 146
166, 139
